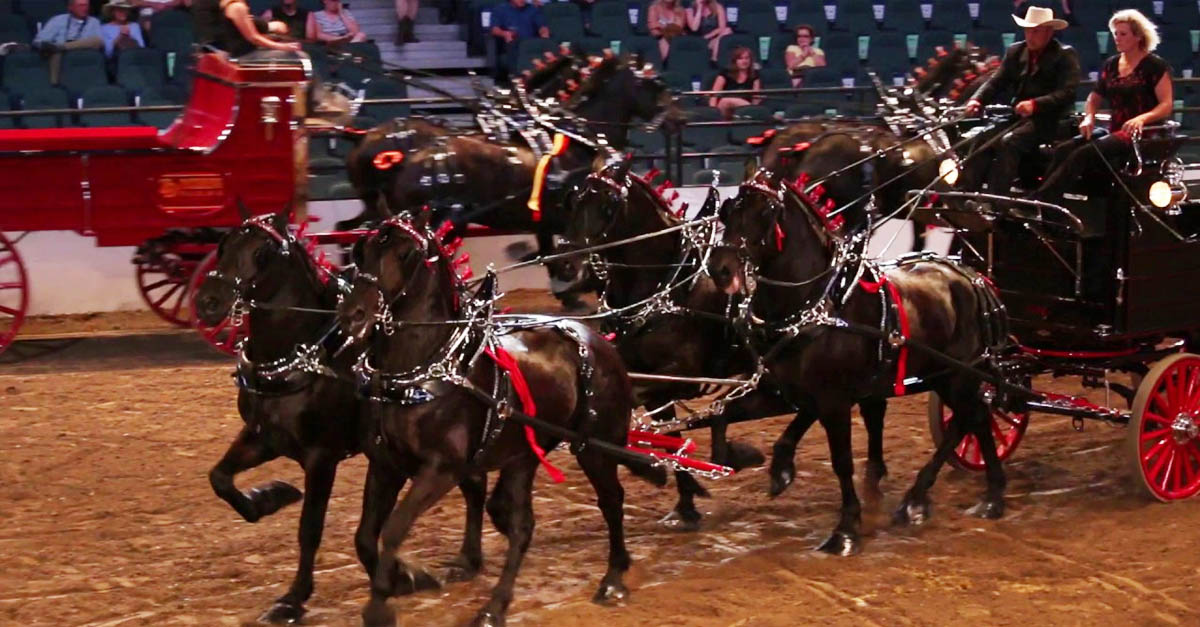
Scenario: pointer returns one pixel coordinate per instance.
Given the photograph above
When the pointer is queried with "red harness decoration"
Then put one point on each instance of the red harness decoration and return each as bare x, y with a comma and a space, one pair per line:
902, 316
506, 361
387, 159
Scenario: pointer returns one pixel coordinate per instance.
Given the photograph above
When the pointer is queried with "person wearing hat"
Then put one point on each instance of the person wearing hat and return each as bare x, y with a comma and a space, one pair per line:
1042, 75
1137, 85
72, 30
119, 33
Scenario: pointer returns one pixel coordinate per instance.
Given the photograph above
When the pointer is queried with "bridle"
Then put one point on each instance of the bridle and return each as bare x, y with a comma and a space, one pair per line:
243, 287
426, 253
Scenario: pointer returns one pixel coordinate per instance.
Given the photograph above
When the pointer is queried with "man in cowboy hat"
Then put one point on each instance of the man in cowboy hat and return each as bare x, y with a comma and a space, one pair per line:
1041, 74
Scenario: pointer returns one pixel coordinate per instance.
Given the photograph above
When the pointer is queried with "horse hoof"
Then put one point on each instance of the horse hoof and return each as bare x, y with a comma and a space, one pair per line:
781, 478
682, 520
283, 613
488, 619
841, 544
875, 474
915, 514
611, 593
271, 497
378, 614
742, 456
461, 569
991, 510
412, 580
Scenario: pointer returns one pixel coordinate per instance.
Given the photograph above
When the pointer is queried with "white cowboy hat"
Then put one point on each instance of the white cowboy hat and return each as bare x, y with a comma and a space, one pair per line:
1039, 16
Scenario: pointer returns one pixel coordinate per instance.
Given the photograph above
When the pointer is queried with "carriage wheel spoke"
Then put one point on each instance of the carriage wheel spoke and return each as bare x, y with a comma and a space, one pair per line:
1154, 435
1016, 420
10, 311
1152, 450
1002, 438
158, 284
169, 293
1189, 391
1162, 459
1153, 417
1185, 460
1157, 399
7, 260
1168, 475
977, 450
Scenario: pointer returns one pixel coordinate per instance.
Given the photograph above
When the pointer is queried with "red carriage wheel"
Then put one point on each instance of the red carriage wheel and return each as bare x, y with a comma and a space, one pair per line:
14, 292
224, 336
1164, 429
1007, 430
164, 270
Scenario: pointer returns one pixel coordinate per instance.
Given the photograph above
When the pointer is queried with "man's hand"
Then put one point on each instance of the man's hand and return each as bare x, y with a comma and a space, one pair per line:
1086, 126
973, 107
1025, 108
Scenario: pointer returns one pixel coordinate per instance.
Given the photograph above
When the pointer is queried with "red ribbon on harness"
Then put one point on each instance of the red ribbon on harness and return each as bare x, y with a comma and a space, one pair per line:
902, 315
506, 361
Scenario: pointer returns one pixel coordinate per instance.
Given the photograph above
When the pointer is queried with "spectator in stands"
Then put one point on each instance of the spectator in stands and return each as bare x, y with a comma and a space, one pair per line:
707, 19
1041, 75
294, 16
119, 33
72, 30
803, 54
1137, 84
334, 25
148, 8
739, 75
406, 14
666, 19
229, 26
511, 22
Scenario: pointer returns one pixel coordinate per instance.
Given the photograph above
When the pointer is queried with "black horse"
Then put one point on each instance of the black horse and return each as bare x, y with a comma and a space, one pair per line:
296, 401
491, 180
692, 339
825, 315
441, 414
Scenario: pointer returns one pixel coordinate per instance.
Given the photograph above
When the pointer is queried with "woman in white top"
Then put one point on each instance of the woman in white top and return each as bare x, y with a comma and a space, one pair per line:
334, 25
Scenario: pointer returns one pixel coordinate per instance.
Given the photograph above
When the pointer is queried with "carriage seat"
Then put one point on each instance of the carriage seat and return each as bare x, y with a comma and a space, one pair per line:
95, 139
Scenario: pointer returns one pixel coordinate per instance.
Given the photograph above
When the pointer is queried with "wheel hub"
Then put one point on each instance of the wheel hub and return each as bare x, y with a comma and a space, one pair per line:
1185, 428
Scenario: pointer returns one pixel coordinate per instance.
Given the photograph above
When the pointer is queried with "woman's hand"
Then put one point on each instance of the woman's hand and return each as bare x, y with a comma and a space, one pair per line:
1133, 125
1086, 126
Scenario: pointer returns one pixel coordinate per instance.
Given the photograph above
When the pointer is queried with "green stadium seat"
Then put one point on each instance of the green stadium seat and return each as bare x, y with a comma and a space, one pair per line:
105, 96
82, 70
645, 47
564, 21
382, 88
14, 28
689, 54
757, 17
855, 16
43, 98
610, 20
160, 119
139, 69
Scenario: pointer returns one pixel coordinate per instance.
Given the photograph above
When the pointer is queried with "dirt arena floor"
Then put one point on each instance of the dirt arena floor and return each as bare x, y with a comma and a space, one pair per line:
107, 518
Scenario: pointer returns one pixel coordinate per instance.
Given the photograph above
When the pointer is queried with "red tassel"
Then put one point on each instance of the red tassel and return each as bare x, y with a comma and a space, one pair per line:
778, 237
442, 230
506, 361
610, 336
466, 273
462, 259
651, 175
453, 246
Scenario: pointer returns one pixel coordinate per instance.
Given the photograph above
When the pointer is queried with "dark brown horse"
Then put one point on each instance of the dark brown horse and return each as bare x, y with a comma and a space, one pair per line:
437, 370
691, 340
295, 401
829, 343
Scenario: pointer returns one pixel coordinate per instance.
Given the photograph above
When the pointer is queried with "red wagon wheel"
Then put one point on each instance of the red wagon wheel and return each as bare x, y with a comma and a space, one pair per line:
223, 336
14, 292
164, 271
1164, 430
1007, 429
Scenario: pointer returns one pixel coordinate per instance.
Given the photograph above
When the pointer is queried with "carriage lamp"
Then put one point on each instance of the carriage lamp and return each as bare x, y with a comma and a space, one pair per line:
948, 171
1163, 194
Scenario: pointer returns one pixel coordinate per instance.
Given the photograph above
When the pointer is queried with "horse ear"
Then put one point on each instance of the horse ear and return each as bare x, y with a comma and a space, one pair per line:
711, 202
622, 168
243, 210
356, 252
282, 217
487, 288
421, 218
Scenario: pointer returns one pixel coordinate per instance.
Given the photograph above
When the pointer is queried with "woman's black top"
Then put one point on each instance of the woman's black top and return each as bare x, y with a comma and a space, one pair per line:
1133, 95
297, 23
731, 80
218, 31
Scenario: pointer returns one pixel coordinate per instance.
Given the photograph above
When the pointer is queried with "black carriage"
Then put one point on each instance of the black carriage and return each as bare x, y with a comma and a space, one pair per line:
1097, 286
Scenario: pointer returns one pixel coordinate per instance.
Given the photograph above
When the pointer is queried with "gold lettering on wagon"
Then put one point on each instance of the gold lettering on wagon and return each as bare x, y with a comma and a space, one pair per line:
194, 192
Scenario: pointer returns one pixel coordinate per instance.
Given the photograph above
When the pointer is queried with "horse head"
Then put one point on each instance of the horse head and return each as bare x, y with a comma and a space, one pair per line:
765, 222
400, 265
615, 91
252, 264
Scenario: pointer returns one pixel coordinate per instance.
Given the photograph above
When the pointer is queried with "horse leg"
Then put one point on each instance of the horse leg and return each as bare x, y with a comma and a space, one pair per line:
601, 471
846, 538
379, 498
685, 516
992, 506
914, 508
783, 454
732, 453
430, 485
516, 485
873, 410
248, 451
319, 472
470, 556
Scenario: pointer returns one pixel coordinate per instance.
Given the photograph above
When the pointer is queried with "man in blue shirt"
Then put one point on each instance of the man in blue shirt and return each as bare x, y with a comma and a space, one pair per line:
511, 22
72, 30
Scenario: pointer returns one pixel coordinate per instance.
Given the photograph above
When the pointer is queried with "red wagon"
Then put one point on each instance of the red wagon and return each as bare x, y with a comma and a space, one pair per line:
239, 139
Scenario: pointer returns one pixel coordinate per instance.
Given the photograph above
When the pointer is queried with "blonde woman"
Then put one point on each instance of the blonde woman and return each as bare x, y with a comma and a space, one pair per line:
666, 19
707, 19
1137, 85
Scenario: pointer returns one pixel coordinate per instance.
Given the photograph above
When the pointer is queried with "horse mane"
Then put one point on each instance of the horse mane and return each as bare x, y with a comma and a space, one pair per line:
598, 72
816, 215
545, 72
955, 73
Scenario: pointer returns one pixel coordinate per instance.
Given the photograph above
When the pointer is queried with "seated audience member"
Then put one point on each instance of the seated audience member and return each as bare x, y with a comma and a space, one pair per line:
72, 30
292, 15
334, 25
803, 54
119, 33
707, 19
740, 75
666, 19
511, 22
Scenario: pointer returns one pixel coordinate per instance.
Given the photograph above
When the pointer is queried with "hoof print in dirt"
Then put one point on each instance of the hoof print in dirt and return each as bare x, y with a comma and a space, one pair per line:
459, 570
841, 544
991, 510
283, 613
